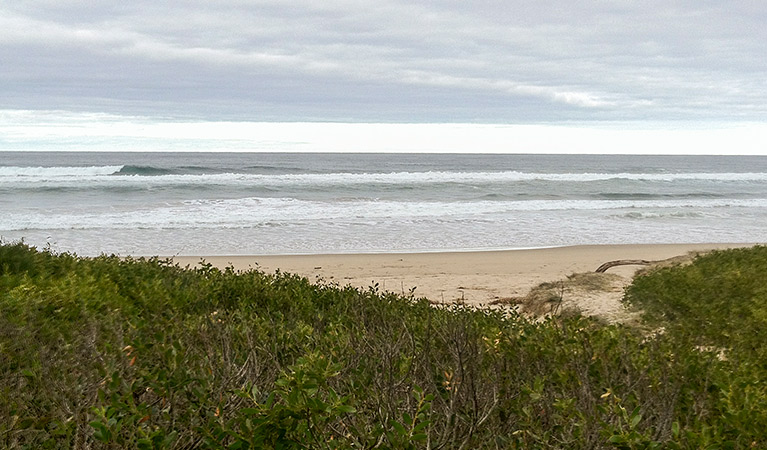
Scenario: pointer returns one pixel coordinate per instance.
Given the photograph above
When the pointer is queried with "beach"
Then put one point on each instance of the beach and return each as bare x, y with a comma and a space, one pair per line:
477, 278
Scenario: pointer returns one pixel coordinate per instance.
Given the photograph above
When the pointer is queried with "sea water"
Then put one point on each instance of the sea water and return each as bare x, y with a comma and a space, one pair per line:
287, 203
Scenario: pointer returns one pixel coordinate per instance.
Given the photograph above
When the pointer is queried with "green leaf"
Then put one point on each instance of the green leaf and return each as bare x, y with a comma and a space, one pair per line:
101, 432
421, 426
270, 400
398, 428
617, 439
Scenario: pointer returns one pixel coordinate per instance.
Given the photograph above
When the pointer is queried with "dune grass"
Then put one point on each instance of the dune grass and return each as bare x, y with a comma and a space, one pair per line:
138, 353
548, 298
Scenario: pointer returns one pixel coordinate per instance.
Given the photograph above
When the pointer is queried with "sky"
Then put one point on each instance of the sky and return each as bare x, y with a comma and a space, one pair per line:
78, 74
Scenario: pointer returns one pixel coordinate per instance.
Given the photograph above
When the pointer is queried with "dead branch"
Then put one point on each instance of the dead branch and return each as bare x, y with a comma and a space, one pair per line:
623, 262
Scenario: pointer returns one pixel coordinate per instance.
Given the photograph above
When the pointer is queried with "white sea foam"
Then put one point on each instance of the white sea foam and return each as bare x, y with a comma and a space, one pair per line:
208, 204
270, 212
47, 173
107, 176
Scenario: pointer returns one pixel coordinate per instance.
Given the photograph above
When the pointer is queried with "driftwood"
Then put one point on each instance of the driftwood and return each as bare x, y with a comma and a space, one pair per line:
623, 262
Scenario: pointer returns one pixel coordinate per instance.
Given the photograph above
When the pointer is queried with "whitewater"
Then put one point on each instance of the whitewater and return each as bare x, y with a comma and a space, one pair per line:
278, 203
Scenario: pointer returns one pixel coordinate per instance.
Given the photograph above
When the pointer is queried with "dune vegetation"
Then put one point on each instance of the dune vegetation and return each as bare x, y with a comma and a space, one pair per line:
138, 353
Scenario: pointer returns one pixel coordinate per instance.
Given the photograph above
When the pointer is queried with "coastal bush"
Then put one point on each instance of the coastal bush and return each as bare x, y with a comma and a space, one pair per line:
718, 306
139, 353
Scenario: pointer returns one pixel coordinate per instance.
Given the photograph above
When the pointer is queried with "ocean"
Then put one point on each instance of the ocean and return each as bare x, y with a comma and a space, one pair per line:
288, 203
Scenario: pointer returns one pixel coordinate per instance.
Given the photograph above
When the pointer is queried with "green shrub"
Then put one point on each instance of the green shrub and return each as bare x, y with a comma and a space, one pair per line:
139, 353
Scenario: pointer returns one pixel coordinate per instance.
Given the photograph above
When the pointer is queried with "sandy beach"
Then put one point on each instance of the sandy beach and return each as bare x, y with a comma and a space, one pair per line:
473, 277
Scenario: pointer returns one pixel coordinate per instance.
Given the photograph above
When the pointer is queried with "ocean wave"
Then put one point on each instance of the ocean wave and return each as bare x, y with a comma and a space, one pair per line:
40, 172
276, 168
143, 170
468, 177
270, 212
136, 174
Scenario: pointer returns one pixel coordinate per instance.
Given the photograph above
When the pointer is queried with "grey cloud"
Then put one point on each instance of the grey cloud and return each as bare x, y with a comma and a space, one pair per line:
390, 60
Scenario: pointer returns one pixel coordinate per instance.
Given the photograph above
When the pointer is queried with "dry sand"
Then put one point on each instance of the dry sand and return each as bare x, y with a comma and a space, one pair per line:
477, 278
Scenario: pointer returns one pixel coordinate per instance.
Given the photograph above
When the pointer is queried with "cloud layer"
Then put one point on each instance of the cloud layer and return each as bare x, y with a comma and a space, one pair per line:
389, 60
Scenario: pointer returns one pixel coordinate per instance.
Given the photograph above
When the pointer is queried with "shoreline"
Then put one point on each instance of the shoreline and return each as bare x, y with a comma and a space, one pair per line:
473, 277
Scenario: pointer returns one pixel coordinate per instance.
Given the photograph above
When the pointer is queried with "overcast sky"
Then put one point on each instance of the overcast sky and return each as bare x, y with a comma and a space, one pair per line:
460, 61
